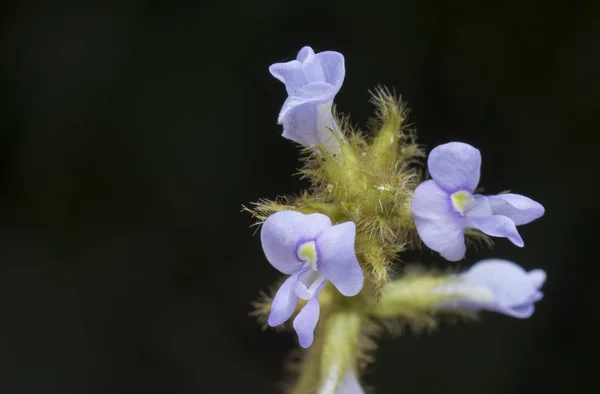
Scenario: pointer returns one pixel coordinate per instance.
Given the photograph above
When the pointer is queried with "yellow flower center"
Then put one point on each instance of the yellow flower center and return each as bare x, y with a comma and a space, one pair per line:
308, 252
461, 200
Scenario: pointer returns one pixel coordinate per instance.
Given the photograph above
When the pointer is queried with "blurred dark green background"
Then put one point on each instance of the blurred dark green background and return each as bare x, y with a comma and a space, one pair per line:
132, 133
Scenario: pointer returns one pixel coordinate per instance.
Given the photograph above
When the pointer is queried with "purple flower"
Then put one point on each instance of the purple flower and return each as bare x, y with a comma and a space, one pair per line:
445, 206
311, 81
496, 285
312, 251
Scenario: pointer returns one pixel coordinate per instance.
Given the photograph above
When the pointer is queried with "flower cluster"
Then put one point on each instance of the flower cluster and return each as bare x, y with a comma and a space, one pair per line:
337, 241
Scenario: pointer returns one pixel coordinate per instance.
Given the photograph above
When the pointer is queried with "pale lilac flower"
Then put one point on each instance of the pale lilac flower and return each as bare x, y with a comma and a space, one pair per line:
496, 285
350, 385
311, 81
312, 251
445, 206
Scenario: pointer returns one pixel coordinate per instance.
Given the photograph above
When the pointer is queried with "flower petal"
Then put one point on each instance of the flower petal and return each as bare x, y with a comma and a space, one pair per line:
519, 209
481, 207
281, 232
337, 259
316, 93
304, 53
455, 166
520, 311
514, 289
350, 384
306, 321
311, 124
440, 228
495, 285
311, 67
308, 283
333, 68
535, 297
496, 226
290, 73
312, 81
537, 277
285, 302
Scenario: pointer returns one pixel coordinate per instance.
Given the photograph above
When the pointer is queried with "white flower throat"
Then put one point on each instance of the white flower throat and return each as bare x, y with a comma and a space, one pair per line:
310, 280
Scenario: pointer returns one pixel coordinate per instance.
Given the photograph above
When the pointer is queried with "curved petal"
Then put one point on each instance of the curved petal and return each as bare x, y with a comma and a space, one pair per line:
496, 226
317, 92
455, 166
537, 277
535, 297
311, 67
311, 124
309, 282
281, 232
304, 52
290, 73
519, 209
337, 260
300, 125
520, 311
328, 134
306, 321
440, 228
333, 68
285, 302
514, 289
481, 207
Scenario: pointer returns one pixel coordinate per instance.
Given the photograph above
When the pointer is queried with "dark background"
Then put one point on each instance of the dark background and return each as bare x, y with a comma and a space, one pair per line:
131, 134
